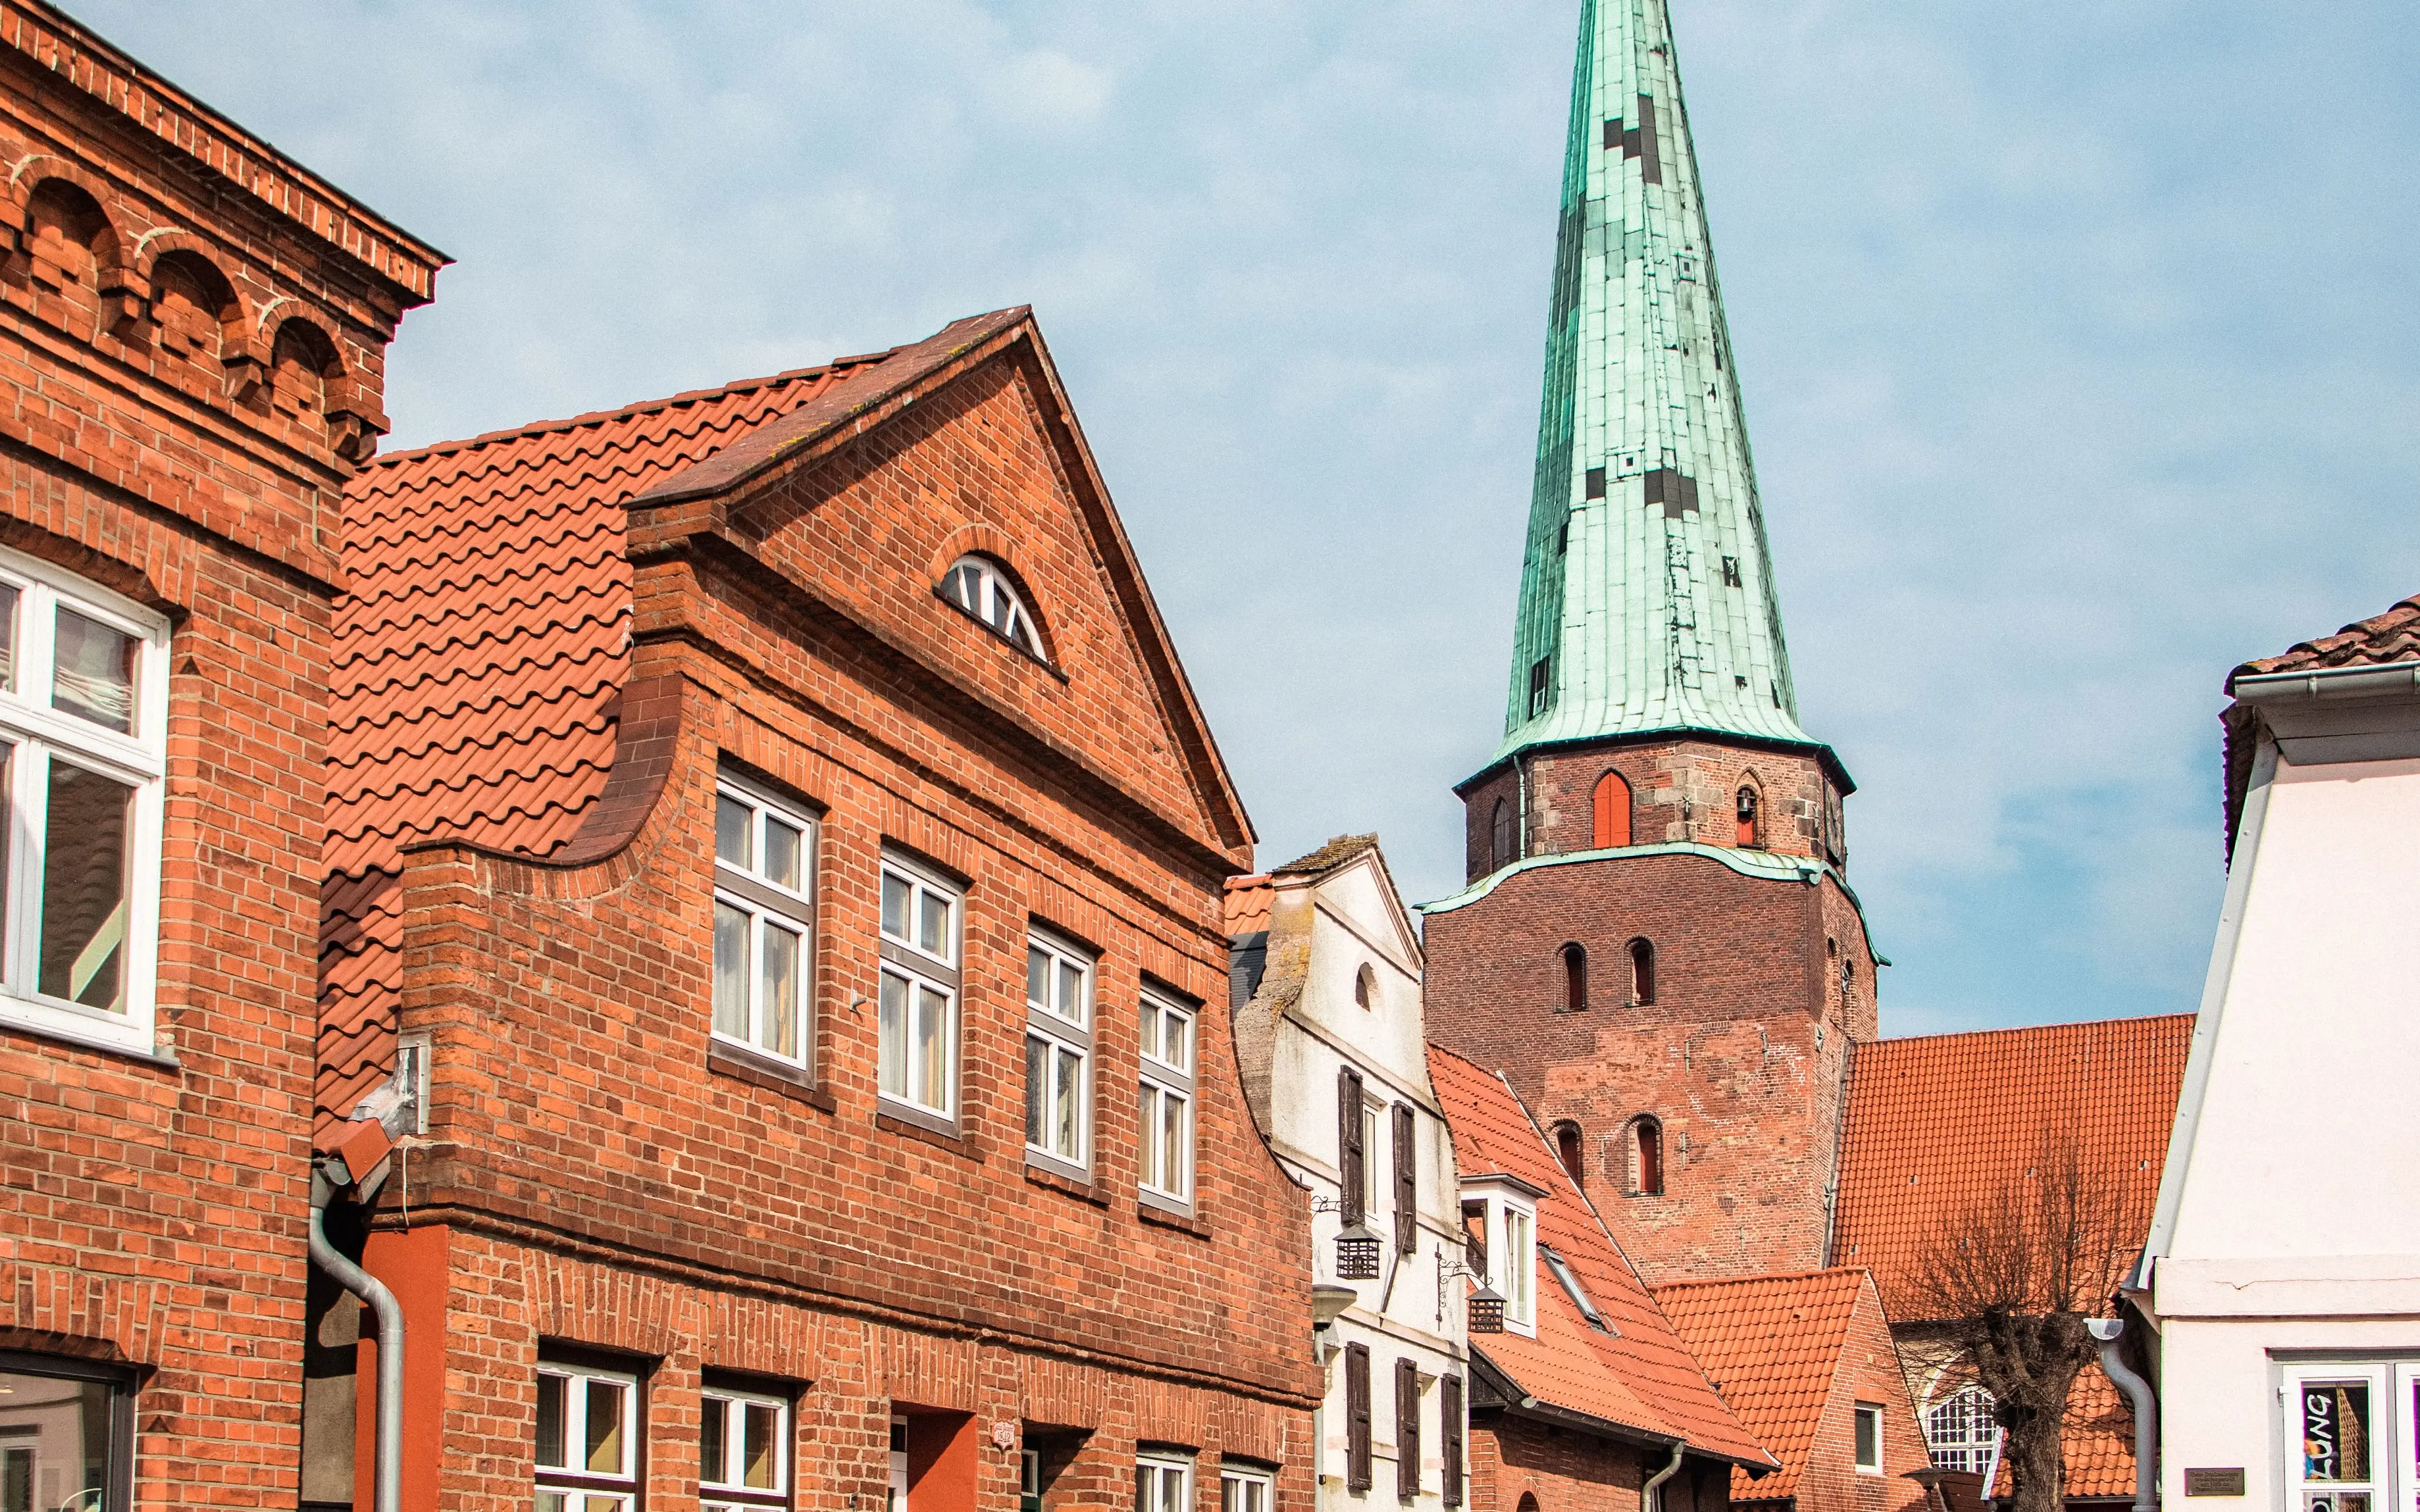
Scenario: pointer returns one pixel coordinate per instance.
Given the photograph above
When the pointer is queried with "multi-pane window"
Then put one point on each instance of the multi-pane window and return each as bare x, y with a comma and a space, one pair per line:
1058, 1054
1961, 1431
1163, 1483
764, 917
919, 1005
743, 1456
587, 1440
1242, 1490
83, 755
1166, 1132
1518, 1249
1870, 1438
67, 1436
977, 585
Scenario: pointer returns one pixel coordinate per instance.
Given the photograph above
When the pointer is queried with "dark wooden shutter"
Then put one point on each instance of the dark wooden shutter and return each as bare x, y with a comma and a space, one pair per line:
1449, 1429
1407, 1180
1407, 1430
1352, 1161
1356, 1417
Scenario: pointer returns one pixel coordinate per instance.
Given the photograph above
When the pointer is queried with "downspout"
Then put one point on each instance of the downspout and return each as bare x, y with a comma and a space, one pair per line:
388, 1484
2146, 1422
1651, 1496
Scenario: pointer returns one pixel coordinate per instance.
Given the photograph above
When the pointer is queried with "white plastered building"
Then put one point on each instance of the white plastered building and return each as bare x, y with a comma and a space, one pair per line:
2282, 1271
1333, 1047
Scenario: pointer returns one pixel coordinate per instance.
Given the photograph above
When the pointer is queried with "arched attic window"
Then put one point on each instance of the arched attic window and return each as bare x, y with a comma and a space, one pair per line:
1365, 987
1642, 971
979, 585
1499, 835
1570, 1149
1576, 994
1751, 816
1612, 812
1646, 1156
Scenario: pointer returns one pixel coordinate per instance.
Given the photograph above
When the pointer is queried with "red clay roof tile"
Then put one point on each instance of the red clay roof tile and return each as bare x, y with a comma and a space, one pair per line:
1771, 1345
2376, 641
1640, 1376
1247, 905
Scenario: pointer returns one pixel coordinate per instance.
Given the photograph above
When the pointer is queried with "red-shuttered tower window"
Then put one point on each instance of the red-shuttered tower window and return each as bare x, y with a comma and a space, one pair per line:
1612, 812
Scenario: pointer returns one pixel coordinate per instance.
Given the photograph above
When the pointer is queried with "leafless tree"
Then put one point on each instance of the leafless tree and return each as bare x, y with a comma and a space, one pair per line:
2009, 1282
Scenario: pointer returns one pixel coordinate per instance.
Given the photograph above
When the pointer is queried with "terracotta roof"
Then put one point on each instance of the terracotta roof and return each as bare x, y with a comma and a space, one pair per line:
2382, 639
480, 648
1936, 1123
1771, 1346
2095, 1439
1639, 1376
1247, 905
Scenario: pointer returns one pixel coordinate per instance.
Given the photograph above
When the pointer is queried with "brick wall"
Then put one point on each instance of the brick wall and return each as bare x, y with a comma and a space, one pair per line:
192, 344
1518, 1465
1870, 1371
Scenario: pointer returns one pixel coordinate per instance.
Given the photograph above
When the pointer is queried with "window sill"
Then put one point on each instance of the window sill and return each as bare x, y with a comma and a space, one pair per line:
744, 1065
20, 1021
1094, 1192
938, 1133
1164, 1214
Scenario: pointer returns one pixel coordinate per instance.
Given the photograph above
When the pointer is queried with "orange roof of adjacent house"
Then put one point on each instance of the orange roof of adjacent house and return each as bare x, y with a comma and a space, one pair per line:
2096, 1440
1638, 1375
1937, 1123
481, 644
1771, 1346
1247, 905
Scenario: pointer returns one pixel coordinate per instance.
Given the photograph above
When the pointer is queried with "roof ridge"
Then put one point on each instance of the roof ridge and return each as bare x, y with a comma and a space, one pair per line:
2025, 1029
640, 406
1826, 1273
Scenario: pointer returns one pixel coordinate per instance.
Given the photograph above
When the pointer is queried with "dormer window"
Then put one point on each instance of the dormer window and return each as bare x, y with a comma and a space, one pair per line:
1501, 1215
979, 586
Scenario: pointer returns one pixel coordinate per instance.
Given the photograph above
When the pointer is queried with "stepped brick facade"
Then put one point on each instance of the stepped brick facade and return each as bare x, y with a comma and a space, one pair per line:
192, 334
562, 649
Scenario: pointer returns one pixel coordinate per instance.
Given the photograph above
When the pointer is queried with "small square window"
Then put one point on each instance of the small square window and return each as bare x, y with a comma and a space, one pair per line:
743, 1451
1870, 1438
1242, 1491
587, 1432
1163, 1484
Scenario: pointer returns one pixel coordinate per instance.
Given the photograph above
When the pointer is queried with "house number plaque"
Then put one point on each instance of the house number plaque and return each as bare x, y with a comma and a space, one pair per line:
2225, 1481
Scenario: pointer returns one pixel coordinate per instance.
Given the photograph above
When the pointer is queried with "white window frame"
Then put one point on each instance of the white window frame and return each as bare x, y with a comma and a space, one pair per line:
1861, 1415
1157, 1468
1976, 1444
2390, 1484
1161, 1082
1244, 1489
37, 735
979, 585
567, 1488
769, 905
725, 1492
919, 970
1060, 1033
1511, 1207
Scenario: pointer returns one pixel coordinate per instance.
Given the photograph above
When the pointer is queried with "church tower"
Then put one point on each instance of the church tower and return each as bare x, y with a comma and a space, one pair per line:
1657, 943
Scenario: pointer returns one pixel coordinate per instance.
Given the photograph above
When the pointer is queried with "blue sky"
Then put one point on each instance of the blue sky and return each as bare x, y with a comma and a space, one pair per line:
2078, 341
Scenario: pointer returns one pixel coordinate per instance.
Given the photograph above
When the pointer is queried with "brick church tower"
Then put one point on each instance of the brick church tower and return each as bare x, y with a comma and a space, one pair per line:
1656, 944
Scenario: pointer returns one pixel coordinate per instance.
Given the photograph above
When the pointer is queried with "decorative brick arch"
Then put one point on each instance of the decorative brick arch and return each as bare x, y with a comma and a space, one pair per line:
240, 355
121, 293
354, 421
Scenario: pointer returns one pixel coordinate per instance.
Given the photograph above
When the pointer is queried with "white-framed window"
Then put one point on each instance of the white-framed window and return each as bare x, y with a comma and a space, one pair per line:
1242, 1488
1163, 1483
587, 1440
1165, 1133
1028, 1480
979, 585
1961, 1431
763, 921
1510, 1227
743, 1451
2350, 1436
84, 741
1870, 1438
896, 1501
919, 997
1058, 1054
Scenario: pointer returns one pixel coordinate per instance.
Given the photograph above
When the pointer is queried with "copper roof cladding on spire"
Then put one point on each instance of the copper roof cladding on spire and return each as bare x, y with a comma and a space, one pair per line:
1771, 1346
1638, 1378
483, 639
1941, 1123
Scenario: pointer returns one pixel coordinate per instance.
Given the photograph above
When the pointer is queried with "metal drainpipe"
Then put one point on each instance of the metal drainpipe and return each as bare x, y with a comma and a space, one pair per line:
1651, 1496
389, 1479
2146, 1421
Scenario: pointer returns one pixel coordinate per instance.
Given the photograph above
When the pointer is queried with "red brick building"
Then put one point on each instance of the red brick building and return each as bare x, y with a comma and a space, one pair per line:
1587, 1399
1807, 1363
773, 901
192, 334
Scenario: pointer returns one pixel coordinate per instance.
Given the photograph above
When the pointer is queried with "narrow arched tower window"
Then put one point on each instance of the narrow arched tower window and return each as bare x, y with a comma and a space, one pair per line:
1612, 815
1365, 987
1647, 1157
1751, 816
1499, 833
1575, 998
1569, 1149
1642, 971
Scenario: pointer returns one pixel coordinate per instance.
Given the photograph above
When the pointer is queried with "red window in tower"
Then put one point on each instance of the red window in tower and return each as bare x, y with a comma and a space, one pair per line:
1751, 833
1612, 812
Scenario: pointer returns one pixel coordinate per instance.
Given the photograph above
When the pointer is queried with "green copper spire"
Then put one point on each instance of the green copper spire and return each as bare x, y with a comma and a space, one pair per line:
1647, 598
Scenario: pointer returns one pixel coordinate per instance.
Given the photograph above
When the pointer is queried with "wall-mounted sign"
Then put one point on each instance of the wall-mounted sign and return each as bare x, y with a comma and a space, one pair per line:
2227, 1480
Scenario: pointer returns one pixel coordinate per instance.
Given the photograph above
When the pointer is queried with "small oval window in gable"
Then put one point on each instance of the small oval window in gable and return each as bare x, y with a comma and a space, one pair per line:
979, 586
